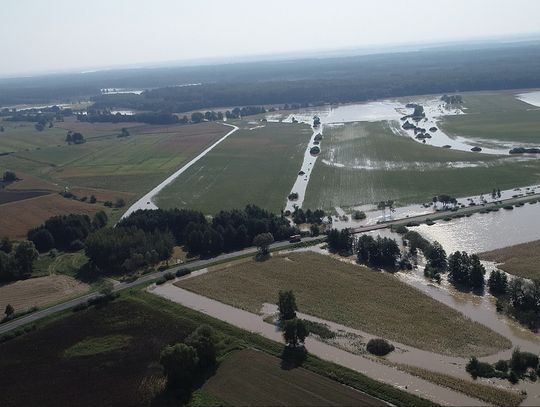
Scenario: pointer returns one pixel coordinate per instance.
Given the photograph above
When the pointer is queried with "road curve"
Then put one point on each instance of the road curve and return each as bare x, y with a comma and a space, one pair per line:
147, 201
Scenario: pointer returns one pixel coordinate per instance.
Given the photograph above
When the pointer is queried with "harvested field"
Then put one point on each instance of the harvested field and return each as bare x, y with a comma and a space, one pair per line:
40, 291
351, 295
15, 196
18, 217
252, 378
82, 349
520, 260
114, 350
131, 164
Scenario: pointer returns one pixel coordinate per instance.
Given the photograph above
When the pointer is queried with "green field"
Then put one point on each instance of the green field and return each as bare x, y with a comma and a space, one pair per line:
256, 166
108, 356
133, 164
495, 116
404, 170
521, 260
351, 295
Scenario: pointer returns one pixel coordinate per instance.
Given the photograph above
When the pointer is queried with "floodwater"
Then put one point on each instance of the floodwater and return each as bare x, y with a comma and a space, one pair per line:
113, 91
302, 181
373, 215
488, 231
254, 323
532, 98
392, 111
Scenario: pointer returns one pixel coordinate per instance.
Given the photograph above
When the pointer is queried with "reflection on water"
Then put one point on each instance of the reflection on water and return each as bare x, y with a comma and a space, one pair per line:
489, 231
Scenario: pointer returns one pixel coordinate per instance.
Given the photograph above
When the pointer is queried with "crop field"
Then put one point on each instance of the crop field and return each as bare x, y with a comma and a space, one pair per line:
257, 166
351, 295
21, 136
14, 196
252, 378
114, 350
132, 164
372, 164
521, 260
495, 116
18, 217
40, 291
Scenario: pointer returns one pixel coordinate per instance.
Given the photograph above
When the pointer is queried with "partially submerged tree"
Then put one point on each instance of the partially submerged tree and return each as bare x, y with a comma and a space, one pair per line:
287, 305
295, 332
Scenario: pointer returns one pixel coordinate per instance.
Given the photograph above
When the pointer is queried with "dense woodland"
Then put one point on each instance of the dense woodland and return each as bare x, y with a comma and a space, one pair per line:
302, 81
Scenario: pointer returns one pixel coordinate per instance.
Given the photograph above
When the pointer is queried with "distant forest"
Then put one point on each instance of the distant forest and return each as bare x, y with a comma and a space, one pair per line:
302, 81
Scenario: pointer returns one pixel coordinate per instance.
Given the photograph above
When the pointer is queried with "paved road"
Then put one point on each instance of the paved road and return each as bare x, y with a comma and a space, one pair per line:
8, 326
444, 214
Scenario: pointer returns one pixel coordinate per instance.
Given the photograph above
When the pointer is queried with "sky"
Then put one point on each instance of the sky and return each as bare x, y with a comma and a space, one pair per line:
62, 35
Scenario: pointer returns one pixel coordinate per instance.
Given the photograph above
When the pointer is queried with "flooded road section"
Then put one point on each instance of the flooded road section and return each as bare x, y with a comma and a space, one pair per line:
302, 180
254, 323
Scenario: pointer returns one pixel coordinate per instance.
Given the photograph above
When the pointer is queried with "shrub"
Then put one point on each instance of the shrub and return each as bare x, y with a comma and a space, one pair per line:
479, 369
508, 207
319, 329
501, 366
182, 272
379, 347
521, 361
401, 229
359, 215
513, 377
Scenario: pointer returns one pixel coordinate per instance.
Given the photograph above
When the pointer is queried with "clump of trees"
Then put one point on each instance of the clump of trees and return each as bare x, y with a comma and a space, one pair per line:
340, 241
9, 176
436, 260
466, 271
300, 216
520, 365
16, 261
185, 364
122, 249
380, 252
75, 138
66, 232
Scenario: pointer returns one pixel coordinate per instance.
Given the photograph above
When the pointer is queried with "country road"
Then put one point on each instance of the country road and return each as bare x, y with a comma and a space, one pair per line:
147, 201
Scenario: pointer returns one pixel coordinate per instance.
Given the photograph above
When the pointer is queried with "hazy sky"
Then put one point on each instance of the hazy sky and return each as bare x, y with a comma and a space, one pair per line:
52, 35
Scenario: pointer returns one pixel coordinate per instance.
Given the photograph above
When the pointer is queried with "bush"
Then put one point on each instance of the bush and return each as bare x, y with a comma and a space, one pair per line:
359, 215
480, 369
182, 272
501, 366
521, 361
513, 377
319, 329
379, 347
401, 229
